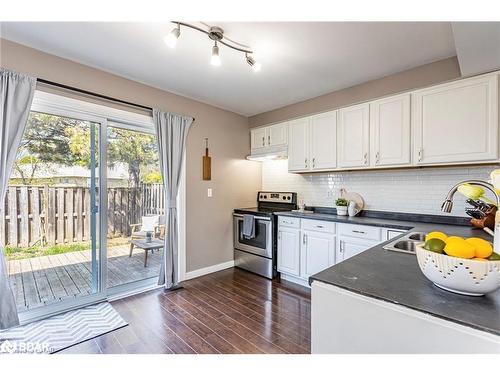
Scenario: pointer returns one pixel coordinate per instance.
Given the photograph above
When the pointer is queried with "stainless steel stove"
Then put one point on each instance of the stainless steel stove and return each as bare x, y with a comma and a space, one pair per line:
258, 254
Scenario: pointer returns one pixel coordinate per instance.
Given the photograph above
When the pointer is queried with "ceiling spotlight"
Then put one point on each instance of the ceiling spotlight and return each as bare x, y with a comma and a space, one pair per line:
215, 55
216, 34
171, 38
256, 66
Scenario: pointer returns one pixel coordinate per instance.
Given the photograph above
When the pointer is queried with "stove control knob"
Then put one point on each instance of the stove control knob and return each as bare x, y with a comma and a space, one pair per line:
284, 198
289, 198
261, 196
265, 196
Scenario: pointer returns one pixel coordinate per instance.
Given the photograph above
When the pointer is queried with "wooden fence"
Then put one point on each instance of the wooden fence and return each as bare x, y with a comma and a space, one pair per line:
57, 215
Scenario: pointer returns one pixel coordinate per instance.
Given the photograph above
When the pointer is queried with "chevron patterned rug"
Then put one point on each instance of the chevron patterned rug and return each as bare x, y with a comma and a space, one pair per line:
61, 331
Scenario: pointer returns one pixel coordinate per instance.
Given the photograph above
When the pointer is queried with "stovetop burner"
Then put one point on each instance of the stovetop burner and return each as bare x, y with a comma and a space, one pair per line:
269, 202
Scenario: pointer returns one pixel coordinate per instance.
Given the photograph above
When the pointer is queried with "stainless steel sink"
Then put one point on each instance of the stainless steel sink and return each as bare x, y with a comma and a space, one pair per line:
407, 243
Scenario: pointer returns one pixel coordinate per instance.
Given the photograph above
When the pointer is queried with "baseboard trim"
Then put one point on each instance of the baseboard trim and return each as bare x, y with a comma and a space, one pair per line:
210, 269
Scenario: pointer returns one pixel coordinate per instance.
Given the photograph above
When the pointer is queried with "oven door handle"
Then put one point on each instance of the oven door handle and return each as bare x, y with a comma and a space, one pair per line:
255, 217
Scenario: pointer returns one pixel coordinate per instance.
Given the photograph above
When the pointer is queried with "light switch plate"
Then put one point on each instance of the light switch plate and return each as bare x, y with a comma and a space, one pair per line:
209, 192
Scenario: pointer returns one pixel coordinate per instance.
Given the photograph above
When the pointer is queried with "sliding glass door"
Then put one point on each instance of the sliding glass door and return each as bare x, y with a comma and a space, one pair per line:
134, 207
50, 230
85, 197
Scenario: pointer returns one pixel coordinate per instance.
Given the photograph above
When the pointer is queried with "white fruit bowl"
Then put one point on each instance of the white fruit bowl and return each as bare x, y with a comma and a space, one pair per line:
458, 275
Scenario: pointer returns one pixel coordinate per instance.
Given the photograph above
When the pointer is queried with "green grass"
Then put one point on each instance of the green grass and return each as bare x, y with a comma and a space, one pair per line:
13, 252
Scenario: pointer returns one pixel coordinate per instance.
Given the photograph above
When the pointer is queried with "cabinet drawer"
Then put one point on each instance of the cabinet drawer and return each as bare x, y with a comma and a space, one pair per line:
286, 221
360, 231
318, 225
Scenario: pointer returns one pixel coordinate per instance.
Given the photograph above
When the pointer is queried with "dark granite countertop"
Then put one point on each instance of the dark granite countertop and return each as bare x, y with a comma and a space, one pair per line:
396, 277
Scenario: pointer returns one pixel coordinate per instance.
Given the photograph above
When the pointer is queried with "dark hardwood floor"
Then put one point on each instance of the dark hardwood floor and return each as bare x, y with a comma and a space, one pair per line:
230, 311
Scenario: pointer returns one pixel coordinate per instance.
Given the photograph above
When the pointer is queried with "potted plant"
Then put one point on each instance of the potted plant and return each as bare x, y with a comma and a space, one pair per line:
341, 205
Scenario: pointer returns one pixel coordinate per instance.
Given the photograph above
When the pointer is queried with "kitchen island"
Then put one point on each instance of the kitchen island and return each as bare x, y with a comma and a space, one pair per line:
380, 302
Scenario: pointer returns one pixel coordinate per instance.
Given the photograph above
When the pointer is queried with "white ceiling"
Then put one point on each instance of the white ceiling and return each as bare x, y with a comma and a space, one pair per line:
300, 60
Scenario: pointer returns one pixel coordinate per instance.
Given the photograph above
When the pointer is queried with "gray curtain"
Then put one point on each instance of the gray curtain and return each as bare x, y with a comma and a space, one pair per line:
171, 131
16, 92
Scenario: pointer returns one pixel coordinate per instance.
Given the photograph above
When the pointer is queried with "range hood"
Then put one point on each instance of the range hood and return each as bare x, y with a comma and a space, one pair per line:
269, 153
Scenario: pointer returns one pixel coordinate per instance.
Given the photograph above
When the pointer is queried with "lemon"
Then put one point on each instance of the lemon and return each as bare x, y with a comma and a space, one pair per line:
454, 238
483, 247
436, 245
439, 235
460, 248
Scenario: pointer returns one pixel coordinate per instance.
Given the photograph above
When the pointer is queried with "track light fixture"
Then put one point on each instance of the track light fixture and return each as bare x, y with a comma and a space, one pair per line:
216, 34
171, 38
215, 60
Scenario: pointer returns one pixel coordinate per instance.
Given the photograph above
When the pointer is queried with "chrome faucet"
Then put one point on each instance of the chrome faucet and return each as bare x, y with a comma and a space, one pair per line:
448, 205
448, 202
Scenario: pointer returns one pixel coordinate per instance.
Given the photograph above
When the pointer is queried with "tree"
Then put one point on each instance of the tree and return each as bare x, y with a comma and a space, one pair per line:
59, 140
133, 148
27, 166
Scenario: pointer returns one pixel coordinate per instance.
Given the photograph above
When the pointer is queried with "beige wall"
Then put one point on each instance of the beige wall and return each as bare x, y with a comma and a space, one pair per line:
235, 181
421, 76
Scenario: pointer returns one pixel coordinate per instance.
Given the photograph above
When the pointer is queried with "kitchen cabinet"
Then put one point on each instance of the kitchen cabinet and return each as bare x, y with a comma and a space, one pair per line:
456, 122
277, 135
348, 247
298, 145
289, 250
390, 131
317, 252
313, 143
353, 136
305, 247
323, 145
264, 138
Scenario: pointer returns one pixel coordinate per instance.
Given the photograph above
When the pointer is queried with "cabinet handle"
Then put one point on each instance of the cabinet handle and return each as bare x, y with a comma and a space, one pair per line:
420, 153
314, 162
305, 161
263, 141
319, 226
341, 246
358, 231
304, 239
366, 158
377, 157
269, 140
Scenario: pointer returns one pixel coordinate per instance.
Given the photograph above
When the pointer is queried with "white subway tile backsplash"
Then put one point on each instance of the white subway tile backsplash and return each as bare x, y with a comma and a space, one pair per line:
402, 190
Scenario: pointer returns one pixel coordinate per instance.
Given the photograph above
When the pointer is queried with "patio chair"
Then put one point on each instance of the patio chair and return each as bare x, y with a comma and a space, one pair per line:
149, 223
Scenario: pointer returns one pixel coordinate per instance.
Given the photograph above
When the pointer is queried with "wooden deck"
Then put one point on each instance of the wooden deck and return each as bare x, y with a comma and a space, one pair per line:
47, 279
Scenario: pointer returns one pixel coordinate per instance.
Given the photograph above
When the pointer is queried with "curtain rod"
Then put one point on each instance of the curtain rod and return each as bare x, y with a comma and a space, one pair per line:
86, 92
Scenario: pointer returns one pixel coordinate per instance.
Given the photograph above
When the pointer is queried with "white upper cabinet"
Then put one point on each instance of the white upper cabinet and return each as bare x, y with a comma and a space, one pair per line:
258, 138
266, 138
390, 131
323, 147
353, 136
456, 122
277, 135
298, 145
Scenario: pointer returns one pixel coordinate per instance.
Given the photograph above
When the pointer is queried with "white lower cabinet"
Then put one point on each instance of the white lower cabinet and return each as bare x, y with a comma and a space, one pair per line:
289, 250
350, 246
305, 251
318, 252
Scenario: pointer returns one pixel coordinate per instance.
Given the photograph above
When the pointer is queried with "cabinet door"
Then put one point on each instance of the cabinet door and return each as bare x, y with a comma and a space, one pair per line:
349, 247
317, 253
390, 131
298, 145
258, 138
456, 122
289, 251
323, 134
277, 134
353, 136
